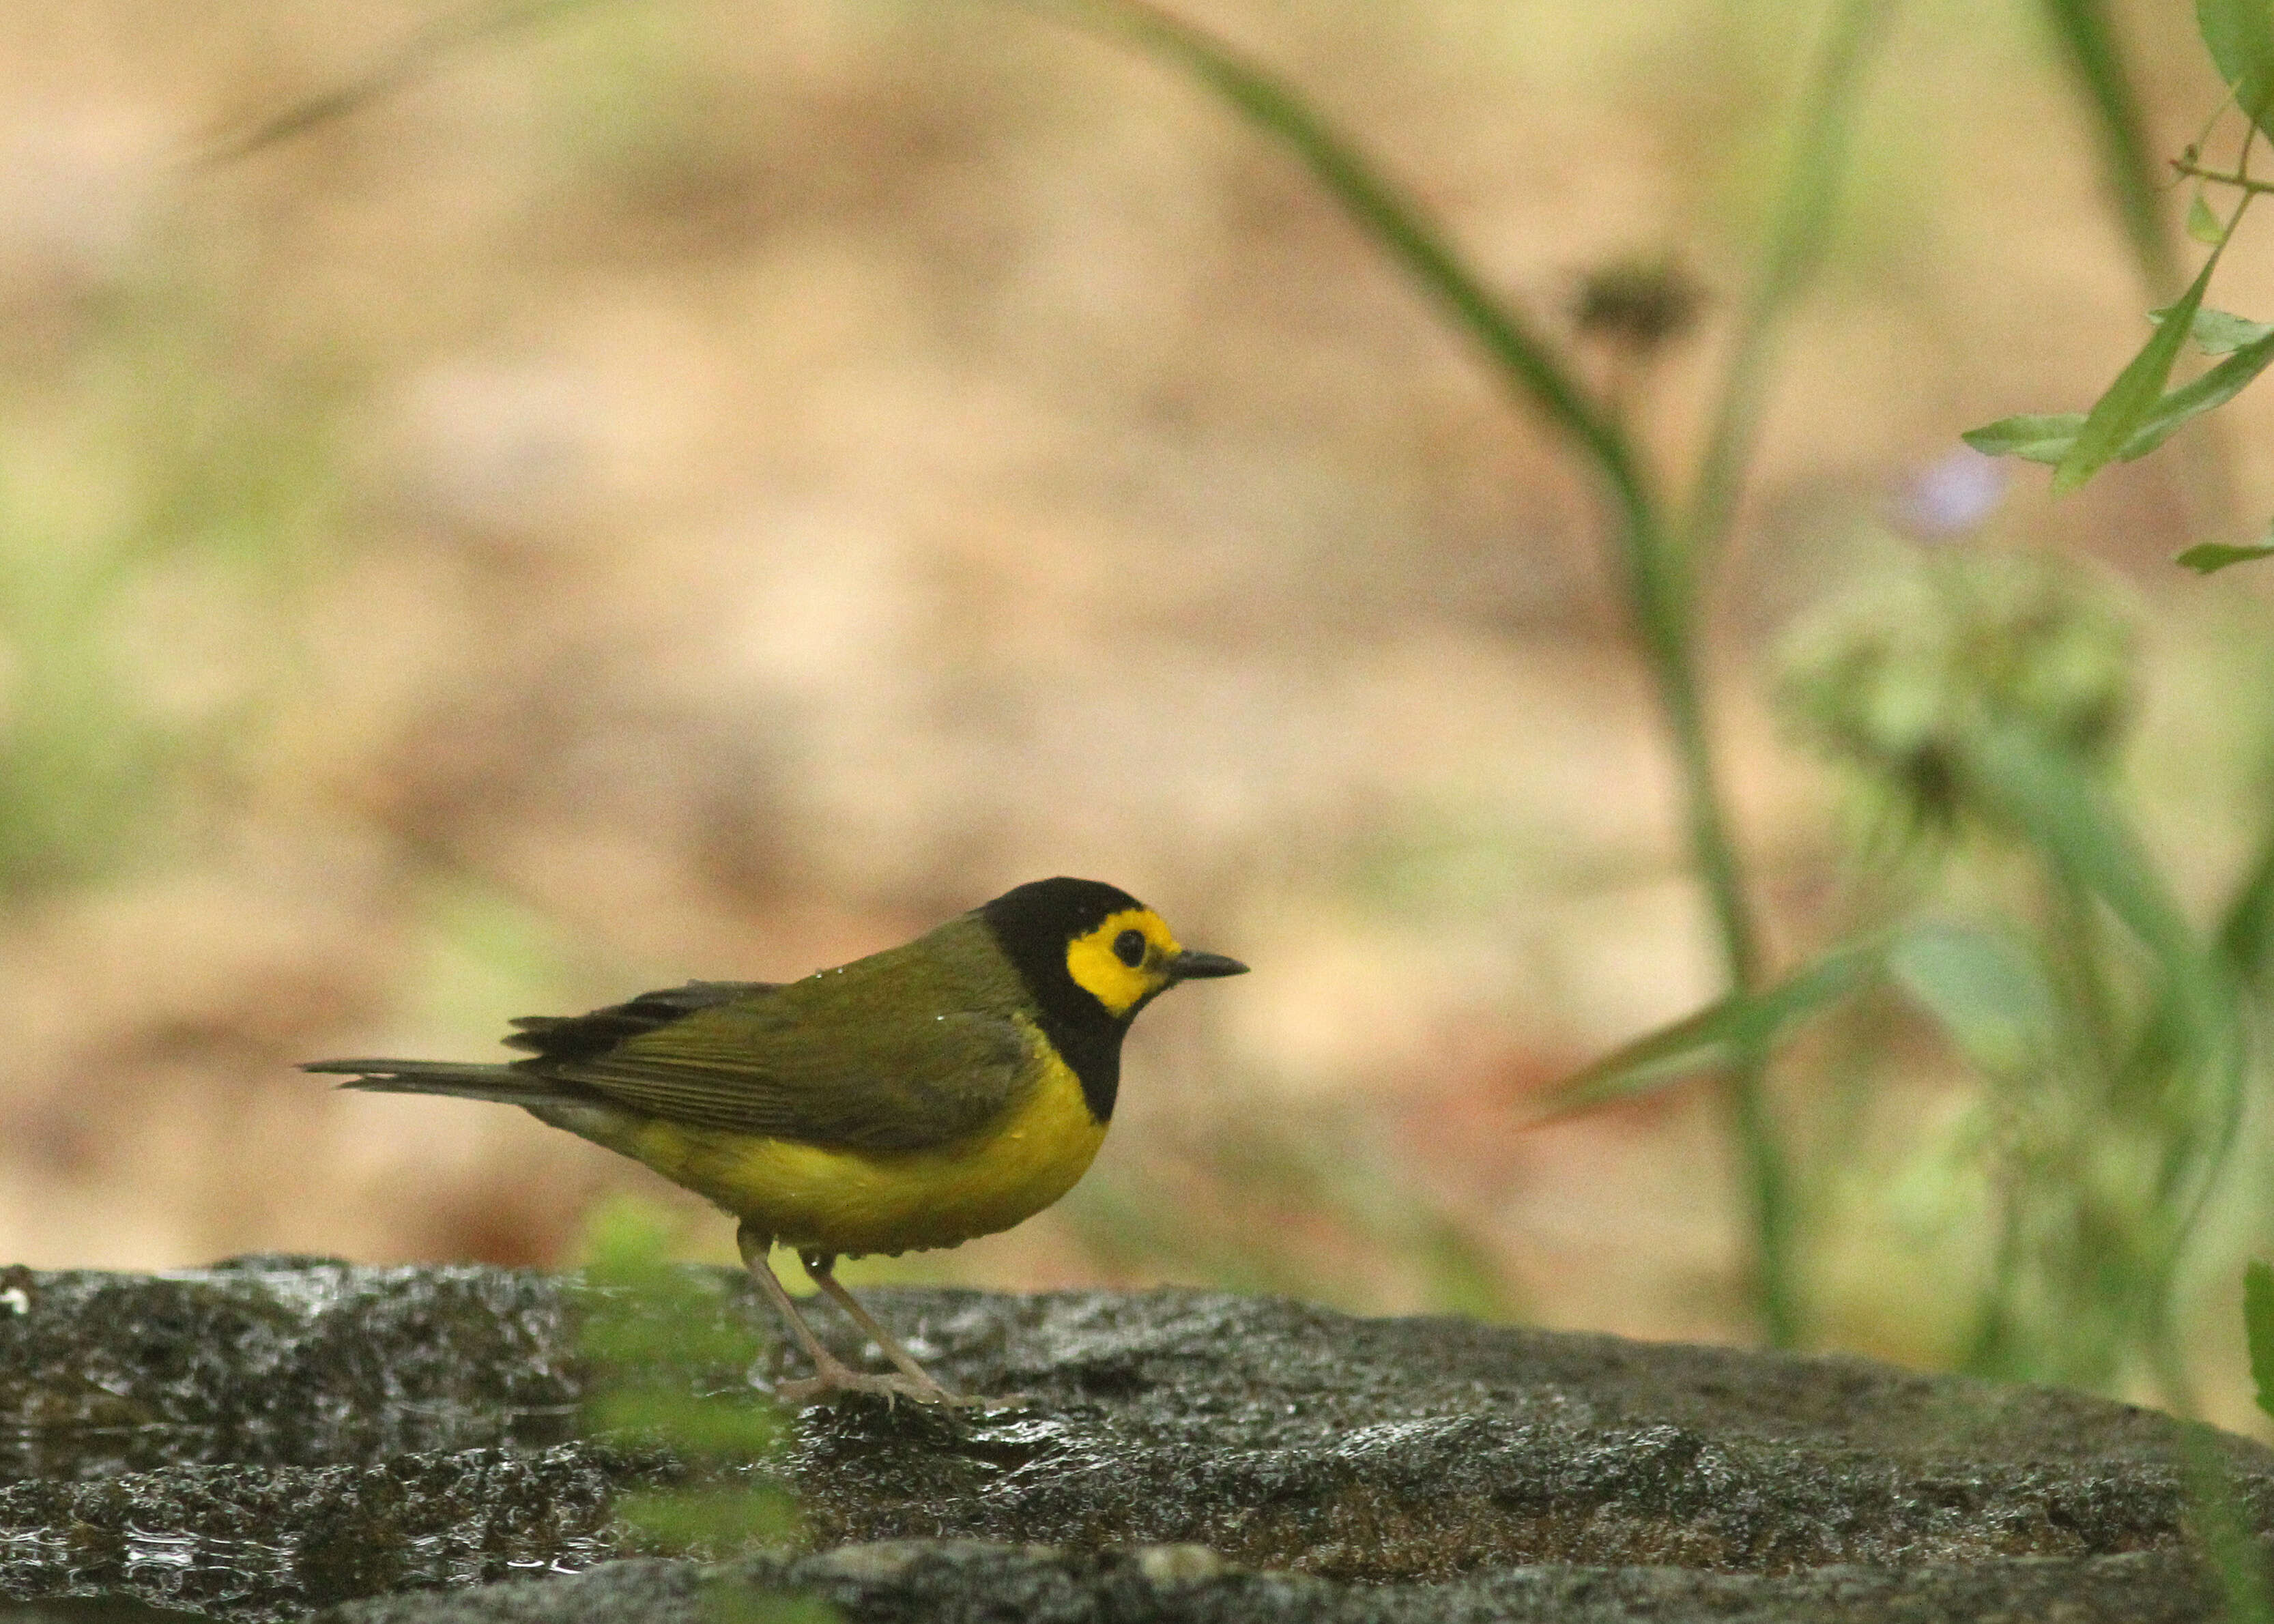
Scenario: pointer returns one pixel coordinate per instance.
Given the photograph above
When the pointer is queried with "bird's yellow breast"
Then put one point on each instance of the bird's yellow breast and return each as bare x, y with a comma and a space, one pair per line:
849, 1202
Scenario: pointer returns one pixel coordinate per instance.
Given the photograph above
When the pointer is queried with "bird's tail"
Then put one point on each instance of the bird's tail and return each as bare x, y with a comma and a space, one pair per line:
508, 1085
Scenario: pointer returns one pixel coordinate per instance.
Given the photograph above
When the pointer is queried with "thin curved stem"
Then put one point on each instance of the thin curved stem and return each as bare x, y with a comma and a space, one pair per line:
1797, 238
1657, 576
2224, 178
2087, 36
425, 53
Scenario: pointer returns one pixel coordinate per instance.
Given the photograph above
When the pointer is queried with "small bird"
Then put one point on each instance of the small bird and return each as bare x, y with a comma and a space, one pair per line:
943, 1089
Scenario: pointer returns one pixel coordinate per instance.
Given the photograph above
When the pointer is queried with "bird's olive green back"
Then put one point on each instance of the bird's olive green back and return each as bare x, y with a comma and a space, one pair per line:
915, 1046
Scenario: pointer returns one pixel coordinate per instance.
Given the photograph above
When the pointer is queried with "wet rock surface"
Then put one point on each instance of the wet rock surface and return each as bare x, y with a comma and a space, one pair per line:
951, 1582
278, 1435
275, 1361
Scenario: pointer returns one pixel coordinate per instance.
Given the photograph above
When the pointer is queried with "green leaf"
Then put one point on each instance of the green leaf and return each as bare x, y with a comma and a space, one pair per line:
2222, 1525
2050, 438
730, 1599
2258, 1328
2240, 35
2056, 803
656, 1336
2066, 814
729, 1427
2202, 225
2213, 389
1983, 991
721, 1521
2039, 439
628, 1243
2208, 557
2217, 332
2245, 934
1718, 1035
2119, 414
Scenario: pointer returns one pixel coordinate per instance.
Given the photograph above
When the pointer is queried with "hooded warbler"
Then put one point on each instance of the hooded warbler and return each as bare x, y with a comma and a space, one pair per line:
943, 1089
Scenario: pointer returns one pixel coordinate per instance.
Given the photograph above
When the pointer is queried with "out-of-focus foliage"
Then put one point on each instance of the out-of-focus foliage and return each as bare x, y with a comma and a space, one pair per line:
2240, 35
1902, 677
1986, 695
667, 1368
2138, 412
2221, 1525
2258, 1328
148, 537
713, 489
1979, 700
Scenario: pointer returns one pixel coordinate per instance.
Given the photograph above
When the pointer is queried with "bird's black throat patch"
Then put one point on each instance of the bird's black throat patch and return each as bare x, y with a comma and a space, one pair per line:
1034, 923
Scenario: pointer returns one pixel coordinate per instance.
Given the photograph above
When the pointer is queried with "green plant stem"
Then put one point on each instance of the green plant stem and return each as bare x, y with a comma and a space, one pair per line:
2088, 38
2224, 178
1664, 611
1800, 230
2221, 1526
1382, 212
2190, 1057
1656, 580
2076, 953
2167, 1357
423, 54
2245, 935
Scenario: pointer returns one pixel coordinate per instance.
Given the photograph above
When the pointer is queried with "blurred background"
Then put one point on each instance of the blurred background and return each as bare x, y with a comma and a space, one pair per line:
687, 488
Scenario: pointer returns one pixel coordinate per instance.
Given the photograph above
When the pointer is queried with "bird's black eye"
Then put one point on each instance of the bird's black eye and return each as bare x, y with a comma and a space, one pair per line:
1129, 948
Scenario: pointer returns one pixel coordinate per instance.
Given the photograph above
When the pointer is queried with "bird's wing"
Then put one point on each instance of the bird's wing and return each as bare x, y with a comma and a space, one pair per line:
579, 1037
821, 1071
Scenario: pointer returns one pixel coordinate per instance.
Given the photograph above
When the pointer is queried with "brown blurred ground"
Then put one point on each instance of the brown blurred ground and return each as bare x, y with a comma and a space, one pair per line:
709, 489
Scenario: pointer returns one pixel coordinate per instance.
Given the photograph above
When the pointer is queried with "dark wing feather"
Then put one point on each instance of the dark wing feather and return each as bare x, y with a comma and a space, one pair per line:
580, 1037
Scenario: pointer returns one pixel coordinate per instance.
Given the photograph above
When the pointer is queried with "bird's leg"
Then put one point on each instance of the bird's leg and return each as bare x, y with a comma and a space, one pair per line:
823, 1267
754, 1246
832, 1374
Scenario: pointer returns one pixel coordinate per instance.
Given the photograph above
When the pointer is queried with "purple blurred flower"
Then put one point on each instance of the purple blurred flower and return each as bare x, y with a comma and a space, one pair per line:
1951, 495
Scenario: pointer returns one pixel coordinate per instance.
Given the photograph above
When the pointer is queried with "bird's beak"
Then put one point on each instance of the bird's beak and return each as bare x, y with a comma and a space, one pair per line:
1188, 965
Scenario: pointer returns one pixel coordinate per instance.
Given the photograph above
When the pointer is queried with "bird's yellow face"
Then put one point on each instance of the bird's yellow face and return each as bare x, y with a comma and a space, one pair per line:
1124, 961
